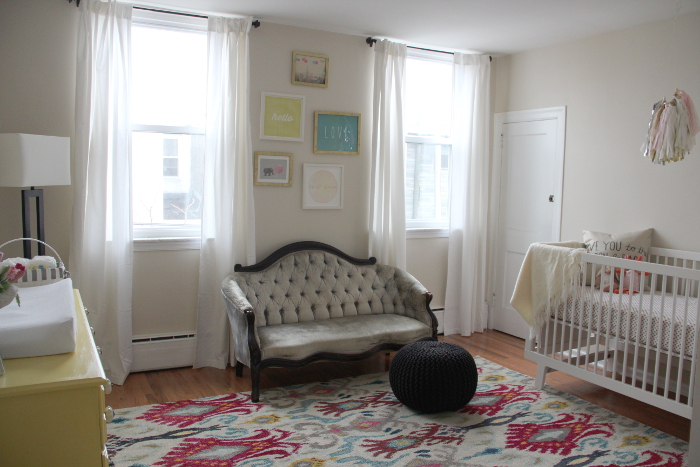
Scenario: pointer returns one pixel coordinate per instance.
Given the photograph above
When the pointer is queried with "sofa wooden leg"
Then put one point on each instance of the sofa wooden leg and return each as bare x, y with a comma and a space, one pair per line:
239, 369
255, 380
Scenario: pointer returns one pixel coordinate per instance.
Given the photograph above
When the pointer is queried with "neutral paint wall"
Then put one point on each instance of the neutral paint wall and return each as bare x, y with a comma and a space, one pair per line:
37, 94
608, 84
38, 40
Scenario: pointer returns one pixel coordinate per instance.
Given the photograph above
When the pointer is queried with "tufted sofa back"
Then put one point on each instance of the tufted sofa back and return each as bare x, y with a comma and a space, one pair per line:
314, 285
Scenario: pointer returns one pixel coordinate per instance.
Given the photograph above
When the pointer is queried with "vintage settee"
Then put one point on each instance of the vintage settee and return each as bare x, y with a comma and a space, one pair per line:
309, 301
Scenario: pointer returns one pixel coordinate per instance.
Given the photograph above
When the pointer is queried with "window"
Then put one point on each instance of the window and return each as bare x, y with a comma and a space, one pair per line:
428, 126
169, 60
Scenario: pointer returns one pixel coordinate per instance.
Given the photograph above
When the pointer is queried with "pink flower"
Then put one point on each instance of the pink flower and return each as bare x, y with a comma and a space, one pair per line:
15, 273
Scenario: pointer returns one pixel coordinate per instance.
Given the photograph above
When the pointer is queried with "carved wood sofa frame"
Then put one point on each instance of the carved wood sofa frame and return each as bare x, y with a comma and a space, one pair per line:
245, 324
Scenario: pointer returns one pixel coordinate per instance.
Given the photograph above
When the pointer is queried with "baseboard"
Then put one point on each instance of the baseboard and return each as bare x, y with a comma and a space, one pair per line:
162, 352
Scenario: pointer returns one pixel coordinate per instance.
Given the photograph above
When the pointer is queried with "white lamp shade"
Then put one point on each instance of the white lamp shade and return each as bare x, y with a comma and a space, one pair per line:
34, 160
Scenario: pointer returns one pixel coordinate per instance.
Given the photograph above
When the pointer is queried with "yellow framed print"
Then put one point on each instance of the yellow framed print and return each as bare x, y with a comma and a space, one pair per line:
282, 117
273, 168
310, 69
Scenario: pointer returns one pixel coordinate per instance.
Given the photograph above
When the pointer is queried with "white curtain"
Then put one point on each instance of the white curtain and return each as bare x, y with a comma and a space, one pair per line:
101, 245
387, 222
228, 216
469, 190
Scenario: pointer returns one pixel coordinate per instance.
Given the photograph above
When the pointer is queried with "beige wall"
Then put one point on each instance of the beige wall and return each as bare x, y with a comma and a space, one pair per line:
38, 40
608, 84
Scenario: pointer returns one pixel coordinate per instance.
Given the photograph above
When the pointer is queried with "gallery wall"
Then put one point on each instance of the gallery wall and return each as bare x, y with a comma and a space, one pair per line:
38, 42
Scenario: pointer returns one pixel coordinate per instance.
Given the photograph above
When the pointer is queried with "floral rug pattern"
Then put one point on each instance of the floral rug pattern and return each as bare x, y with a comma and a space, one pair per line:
358, 422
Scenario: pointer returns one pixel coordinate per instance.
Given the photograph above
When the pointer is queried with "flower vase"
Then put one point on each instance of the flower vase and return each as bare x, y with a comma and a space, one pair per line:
8, 295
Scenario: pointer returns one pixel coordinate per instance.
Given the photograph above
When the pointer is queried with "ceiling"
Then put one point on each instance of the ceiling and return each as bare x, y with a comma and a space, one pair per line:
487, 26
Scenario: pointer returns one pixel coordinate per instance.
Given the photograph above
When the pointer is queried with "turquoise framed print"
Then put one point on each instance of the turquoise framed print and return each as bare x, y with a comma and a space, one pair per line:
337, 133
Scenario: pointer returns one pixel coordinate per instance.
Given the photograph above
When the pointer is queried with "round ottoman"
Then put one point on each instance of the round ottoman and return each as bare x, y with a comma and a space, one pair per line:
430, 376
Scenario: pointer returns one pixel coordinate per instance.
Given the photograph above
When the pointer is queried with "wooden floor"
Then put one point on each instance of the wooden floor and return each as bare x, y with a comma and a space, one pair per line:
153, 387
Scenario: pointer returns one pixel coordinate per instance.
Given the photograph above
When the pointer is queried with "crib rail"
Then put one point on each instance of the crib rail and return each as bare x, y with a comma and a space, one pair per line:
642, 343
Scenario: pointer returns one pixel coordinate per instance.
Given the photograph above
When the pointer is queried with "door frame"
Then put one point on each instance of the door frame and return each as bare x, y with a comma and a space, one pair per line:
499, 119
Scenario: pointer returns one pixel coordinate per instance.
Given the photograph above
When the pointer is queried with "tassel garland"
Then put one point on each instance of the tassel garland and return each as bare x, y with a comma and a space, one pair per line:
672, 129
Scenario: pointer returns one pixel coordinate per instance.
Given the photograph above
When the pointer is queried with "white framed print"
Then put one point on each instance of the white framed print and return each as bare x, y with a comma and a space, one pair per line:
323, 186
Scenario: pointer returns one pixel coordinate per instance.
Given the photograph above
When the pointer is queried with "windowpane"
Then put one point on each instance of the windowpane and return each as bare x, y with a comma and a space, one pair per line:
427, 181
428, 127
169, 76
429, 98
167, 191
169, 81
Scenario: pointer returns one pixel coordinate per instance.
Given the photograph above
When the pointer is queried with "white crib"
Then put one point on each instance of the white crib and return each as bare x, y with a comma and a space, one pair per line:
644, 344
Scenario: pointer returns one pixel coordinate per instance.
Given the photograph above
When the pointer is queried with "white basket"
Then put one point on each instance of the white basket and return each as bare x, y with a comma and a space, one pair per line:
44, 276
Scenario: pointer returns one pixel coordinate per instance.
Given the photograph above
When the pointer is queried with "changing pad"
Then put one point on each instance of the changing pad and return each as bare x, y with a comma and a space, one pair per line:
43, 325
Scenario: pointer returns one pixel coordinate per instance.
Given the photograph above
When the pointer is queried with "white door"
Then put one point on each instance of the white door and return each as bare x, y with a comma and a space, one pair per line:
529, 200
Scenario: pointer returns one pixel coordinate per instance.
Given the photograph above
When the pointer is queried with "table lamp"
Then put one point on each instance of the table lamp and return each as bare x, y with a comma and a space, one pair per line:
29, 161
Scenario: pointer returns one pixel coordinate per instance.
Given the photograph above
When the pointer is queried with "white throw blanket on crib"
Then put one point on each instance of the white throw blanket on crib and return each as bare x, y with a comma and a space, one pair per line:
548, 274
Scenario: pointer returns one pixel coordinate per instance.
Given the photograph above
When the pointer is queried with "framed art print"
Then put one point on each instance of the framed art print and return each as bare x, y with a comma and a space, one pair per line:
310, 69
323, 186
273, 168
282, 117
337, 133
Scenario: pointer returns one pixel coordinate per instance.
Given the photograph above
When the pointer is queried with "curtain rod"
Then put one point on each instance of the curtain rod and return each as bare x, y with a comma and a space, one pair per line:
255, 24
371, 42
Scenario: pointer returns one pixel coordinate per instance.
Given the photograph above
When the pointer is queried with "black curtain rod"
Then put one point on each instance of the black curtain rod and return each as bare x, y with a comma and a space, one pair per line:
255, 24
371, 42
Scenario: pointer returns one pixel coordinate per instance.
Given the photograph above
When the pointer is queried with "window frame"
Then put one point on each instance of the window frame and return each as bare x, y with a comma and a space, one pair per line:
164, 237
428, 228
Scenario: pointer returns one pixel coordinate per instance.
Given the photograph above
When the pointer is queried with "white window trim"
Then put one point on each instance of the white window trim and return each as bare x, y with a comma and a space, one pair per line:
167, 243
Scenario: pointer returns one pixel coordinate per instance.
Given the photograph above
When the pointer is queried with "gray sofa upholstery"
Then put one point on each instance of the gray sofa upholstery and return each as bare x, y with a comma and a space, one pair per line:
309, 301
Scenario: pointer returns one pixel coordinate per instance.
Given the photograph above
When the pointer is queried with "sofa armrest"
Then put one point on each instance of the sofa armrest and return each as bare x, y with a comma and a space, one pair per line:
416, 299
242, 319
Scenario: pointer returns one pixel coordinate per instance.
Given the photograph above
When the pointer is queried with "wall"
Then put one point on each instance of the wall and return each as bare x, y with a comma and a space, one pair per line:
608, 84
38, 40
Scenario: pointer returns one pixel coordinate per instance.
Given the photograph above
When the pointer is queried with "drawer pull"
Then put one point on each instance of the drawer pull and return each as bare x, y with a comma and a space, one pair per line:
107, 387
86, 310
92, 330
109, 414
99, 350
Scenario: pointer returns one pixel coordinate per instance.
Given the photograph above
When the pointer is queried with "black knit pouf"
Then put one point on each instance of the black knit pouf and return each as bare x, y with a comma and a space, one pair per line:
430, 376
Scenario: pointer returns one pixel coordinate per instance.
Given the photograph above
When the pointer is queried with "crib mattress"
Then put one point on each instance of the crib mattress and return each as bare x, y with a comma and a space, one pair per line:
656, 319
44, 324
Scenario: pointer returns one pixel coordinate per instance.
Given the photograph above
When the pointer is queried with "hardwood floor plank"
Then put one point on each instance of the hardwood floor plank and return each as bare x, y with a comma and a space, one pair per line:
156, 387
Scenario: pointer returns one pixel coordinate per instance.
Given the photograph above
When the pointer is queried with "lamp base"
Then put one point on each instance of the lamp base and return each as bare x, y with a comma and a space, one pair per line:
26, 221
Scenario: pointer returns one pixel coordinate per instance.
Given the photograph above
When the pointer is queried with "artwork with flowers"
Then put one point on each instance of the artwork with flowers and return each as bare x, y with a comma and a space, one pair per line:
273, 168
310, 69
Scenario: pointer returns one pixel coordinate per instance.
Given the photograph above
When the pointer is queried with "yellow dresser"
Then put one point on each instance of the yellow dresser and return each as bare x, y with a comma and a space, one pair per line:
52, 408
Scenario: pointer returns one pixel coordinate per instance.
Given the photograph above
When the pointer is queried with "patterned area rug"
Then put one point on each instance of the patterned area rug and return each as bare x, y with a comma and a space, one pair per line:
357, 421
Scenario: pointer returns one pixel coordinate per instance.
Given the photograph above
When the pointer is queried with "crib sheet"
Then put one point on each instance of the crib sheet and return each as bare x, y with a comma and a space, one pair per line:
637, 317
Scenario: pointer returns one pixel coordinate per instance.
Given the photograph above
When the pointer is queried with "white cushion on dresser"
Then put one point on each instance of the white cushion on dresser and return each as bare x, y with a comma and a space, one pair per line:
44, 324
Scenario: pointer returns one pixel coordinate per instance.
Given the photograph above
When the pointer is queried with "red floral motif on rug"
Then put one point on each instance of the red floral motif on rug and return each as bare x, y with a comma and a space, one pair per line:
428, 436
559, 437
493, 401
185, 413
378, 399
217, 452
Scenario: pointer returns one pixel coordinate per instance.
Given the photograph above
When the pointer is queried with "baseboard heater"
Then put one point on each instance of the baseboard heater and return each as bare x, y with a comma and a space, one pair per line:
159, 352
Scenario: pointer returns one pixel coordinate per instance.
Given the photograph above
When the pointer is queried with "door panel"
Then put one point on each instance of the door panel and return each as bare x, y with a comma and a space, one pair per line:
530, 173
